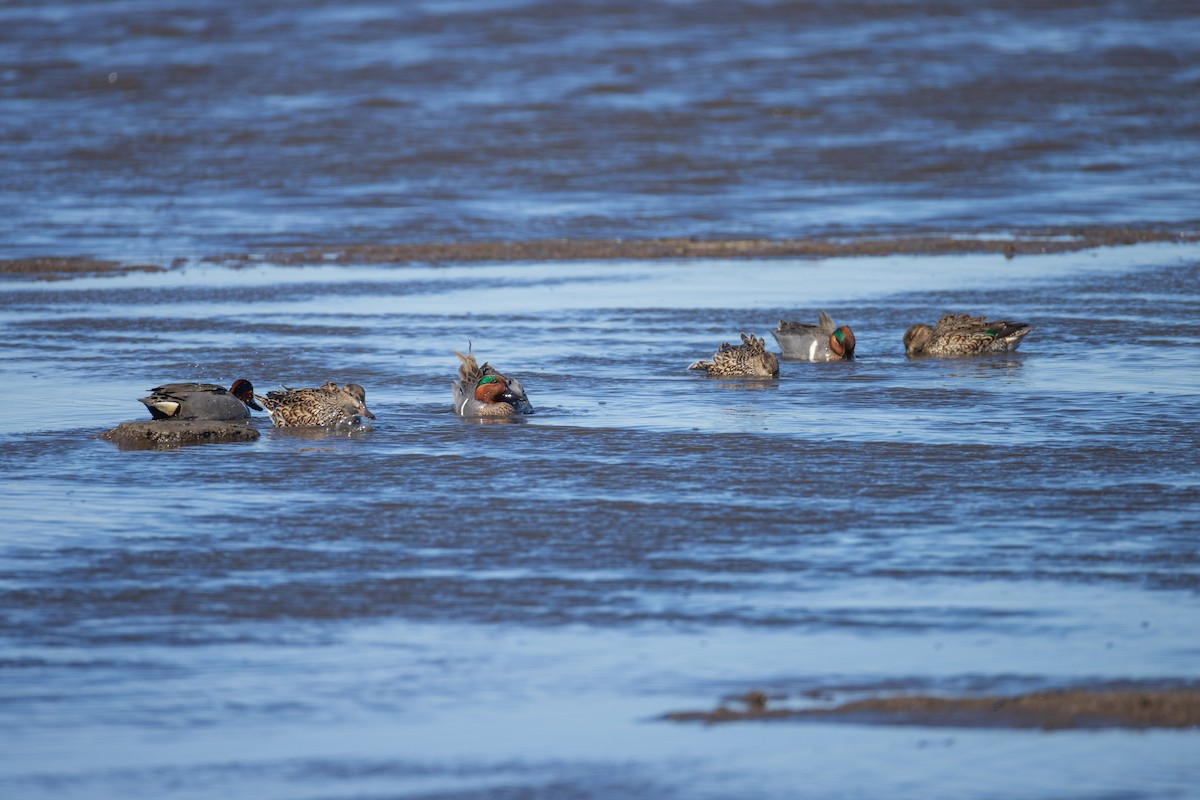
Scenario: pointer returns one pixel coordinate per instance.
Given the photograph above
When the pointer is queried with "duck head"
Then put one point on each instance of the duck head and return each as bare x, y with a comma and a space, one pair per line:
515, 396
492, 388
768, 365
243, 390
359, 394
841, 342
916, 337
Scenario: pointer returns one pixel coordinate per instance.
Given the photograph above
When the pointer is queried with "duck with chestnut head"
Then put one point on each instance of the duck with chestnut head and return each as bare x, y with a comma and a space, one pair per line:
484, 392
824, 341
323, 406
202, 401
963, 335
750, 359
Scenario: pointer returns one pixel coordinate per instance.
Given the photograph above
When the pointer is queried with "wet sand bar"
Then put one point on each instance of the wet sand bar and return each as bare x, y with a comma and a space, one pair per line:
1048, 710
1057, 240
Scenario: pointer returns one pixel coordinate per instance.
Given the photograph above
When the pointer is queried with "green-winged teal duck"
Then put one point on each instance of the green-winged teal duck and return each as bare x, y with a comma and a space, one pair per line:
824, 341
484, 392
202, 401
323, 406
749, 359
963, 335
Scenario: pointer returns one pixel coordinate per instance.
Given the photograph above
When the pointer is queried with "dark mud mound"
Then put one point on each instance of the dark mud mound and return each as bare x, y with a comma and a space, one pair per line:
165, 434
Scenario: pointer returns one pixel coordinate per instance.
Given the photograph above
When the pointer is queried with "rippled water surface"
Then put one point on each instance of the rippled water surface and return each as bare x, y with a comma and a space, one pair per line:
159, 129
437, 608
440, 608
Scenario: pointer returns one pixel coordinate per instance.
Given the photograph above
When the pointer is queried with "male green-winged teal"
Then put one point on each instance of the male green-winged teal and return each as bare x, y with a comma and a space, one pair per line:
484, 392
821, 342
963, 335
202, 401
749, 359
325, 405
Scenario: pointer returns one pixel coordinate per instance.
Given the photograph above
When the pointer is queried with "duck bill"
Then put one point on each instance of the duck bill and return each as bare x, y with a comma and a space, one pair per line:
252, 404
367, 413
517, 401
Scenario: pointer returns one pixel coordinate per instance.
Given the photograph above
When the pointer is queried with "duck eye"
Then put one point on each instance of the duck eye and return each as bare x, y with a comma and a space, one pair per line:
839, 335
486, 379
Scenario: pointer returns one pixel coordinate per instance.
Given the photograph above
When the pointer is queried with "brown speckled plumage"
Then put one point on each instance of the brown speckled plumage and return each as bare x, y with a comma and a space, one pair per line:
317, 407
963, 335
749, 359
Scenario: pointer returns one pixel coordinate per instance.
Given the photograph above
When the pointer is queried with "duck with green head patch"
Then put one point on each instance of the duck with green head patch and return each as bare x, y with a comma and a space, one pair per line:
484, 392
824, 341
750, 359
963, 335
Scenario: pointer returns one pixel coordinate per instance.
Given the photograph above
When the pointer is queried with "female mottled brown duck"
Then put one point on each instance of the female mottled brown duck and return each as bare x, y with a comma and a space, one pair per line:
750, 359
963, 335
323, 406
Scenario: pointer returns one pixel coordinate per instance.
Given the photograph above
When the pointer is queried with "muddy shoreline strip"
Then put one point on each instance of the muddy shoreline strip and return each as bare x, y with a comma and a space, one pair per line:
1048, 710
1017, 243
1056, 241
53, 267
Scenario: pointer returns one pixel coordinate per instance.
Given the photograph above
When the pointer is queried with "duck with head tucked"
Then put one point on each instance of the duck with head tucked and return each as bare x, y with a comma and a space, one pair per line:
206, 401
963, 335
750, 359
800, 341
484, 392
324, 406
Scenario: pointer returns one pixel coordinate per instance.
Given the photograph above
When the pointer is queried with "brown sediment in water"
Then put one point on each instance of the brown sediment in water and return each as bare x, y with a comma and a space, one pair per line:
1047, 710
1009, 244
54, 268
167, 433
1024, 243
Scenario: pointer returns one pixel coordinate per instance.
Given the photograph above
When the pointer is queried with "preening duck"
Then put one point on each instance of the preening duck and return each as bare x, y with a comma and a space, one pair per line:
484, 392
750, 359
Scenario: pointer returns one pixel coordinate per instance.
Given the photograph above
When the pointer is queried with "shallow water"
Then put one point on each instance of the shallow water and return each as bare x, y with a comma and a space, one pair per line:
159, 129
440, 608
437, 608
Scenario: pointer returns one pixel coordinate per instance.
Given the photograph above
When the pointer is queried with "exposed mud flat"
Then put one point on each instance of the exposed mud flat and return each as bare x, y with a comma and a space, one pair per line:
1016, 243
1048, 710
51, 268
1019, 243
